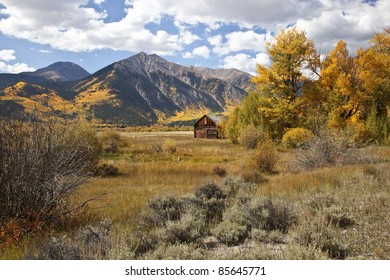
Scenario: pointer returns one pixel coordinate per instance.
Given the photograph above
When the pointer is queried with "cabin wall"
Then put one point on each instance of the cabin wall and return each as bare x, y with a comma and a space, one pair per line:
207, 129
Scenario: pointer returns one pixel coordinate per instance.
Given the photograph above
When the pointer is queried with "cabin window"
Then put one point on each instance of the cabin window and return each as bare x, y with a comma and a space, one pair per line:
205, 121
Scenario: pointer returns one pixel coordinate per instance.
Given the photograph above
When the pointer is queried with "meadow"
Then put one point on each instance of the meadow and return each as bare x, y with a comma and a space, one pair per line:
337, 212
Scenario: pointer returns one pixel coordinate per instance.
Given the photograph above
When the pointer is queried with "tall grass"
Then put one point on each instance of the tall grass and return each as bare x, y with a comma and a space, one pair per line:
359, 192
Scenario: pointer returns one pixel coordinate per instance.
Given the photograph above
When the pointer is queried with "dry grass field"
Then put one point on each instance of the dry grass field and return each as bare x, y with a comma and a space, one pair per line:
332, 212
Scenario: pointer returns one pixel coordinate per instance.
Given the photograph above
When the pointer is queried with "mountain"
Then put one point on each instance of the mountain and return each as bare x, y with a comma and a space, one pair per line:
140, 90
61, 71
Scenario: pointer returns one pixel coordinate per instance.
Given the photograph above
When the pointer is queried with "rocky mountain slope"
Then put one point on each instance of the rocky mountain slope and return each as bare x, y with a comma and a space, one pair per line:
139, 90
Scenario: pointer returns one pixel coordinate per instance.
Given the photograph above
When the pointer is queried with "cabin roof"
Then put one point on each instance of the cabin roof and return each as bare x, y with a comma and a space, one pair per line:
214, 118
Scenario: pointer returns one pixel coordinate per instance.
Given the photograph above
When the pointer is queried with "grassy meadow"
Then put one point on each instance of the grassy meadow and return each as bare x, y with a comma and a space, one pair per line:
337, 212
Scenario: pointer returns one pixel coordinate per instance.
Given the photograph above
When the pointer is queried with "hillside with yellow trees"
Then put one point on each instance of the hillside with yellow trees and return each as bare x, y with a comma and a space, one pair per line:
140, 90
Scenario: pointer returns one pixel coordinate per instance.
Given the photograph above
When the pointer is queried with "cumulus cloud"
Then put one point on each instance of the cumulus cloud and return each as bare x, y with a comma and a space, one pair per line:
9, 55
70, 25
351, 21
74, 26
202, 51
15, 68
238, 41
245, 62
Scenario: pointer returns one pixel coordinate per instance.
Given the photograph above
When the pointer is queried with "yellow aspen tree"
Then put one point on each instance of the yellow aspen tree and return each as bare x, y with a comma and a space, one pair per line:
294, 60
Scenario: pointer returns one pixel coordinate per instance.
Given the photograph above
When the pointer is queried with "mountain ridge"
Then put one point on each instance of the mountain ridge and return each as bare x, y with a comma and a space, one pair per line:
140, 90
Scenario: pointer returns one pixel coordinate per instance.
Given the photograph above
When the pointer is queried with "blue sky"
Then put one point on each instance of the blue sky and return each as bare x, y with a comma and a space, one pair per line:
207, 33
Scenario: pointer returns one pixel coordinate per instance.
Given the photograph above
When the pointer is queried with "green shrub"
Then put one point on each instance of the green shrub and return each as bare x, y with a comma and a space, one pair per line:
162, 209
264, 236
270, 215
296, 137
230, 233
142, 242
186, 230
235, 185
249, 137
320, 234
338, 217
235, 214
210, 199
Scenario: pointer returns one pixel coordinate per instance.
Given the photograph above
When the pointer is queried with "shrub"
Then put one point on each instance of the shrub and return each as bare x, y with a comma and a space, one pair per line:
296, 137
220, 171
249, 137
338, 217
230, 233
235, 185
111, 141
210, 199
106, 170
320, 234
266, 158
162, 209
41, 165
91, 242
270, 215
273, 236
322, 150
55, 248
235, 214
187, 229
142, 242
169, 146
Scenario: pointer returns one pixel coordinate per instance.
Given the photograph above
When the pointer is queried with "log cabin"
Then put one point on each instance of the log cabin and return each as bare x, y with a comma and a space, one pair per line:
208, 126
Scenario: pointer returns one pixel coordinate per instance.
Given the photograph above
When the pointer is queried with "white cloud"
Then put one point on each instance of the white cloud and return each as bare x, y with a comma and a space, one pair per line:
70, 25
238, 41
98, 2
241, 61
215, 40
245, 62
15, 68
263, 59
202, 51
351, 21
7, 55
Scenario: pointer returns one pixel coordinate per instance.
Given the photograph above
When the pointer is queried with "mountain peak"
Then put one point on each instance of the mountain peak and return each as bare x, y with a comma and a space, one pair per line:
62, 71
